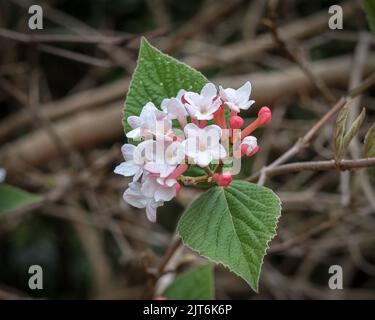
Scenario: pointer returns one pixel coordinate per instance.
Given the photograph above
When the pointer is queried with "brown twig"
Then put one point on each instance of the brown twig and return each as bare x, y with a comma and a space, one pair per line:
65, 38
321, 166
76, 56
310, 135
150, 285
318, 83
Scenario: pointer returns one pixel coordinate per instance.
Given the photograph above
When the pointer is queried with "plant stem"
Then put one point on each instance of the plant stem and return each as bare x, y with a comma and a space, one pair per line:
321, 166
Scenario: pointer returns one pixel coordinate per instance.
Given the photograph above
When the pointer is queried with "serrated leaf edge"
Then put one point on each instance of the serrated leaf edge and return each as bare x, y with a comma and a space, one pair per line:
143, 42
265, 250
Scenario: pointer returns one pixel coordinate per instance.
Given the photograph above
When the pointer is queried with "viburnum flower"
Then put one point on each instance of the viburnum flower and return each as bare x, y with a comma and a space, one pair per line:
150, 122
157, 190
137, 198
237, 100
162, 161
131, 167
164, 157
175, 109
203, 145
203, 106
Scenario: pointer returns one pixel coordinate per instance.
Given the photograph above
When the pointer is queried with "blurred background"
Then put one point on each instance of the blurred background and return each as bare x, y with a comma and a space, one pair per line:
62, 90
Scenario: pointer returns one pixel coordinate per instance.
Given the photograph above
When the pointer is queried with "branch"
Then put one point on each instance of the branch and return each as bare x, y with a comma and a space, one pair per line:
302, 63
321, 166
310, 135
171, 250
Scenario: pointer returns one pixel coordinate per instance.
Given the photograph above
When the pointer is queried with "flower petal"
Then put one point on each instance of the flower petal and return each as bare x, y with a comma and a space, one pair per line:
134, 198
126, 169
128, 151
209, 91
164, 193
243, 93
134, 121
191, 130
214, 106
247, 105
134, 134
151, 213
203, 159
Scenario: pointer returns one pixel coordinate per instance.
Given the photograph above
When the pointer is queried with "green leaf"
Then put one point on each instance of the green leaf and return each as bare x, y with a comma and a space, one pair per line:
12, 198
156, 77
353, 130
233, 226
369, 7
340, 130
369, 147
196, 284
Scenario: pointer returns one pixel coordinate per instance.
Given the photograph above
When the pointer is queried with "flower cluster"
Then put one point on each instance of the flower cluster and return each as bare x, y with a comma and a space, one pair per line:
191, 129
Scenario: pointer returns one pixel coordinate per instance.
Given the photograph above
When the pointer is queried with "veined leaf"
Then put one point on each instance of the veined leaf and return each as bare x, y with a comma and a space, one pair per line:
233, 226
196, 284
156, 77
12, 198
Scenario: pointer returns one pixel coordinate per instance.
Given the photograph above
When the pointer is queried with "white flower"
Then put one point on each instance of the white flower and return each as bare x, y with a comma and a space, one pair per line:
174, 107
249, 145
203, 145
131, 166
237, 99
166, 182
159, 191
135, 197
151, 121
3, 174
164, 158
202, 106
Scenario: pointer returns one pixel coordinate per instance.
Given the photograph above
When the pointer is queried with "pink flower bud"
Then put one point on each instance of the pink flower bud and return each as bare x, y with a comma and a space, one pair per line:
264, 115
249, 146
223, 179
236, 122
244, 148
254, 151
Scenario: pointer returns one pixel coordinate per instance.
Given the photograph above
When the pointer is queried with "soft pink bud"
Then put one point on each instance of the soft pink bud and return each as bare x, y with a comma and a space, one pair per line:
264, 115
223, 179
254, 151
244, 148
236, 122
249, 146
